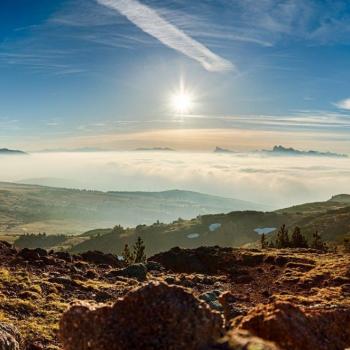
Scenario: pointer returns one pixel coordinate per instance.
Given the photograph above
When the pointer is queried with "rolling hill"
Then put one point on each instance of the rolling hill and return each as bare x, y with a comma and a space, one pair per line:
32, 208
330, 218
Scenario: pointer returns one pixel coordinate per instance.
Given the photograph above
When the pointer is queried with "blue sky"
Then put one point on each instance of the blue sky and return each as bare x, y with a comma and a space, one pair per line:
101, 73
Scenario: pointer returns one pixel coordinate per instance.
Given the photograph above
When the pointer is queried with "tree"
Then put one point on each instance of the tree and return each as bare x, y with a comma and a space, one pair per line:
139, 251
347, 245
317, 242
297, 239
263, 241
127, 255
282, 240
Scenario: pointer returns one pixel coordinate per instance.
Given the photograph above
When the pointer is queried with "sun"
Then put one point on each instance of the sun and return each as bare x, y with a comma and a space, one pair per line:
181, 102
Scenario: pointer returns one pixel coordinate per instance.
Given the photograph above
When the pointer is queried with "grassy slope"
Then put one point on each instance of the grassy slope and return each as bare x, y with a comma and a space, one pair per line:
330, 218
31, 208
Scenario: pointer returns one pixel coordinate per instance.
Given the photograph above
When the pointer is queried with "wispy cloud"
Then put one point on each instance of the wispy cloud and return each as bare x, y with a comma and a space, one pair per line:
152, 23
343, 104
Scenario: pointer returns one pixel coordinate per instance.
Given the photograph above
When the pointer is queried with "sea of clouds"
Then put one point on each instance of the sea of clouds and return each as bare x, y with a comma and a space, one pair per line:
273, 180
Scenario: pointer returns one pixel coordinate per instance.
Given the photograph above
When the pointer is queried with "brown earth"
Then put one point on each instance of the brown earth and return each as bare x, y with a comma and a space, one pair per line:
270, 299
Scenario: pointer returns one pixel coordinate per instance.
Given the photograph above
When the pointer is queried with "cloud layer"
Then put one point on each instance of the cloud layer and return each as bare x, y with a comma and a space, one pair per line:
152, 23
276, 181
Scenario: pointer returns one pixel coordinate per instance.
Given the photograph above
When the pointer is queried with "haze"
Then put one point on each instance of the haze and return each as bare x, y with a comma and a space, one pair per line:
286, 181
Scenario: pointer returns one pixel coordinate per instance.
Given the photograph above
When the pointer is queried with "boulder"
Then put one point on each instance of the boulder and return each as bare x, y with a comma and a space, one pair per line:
154, 316
205, 260
212, 299
300, 329
10, 338
96, 257
138, 271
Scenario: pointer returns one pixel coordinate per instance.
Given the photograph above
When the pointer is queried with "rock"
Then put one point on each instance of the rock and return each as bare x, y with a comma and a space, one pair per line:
138, 271
212, 299
242, 340
249, 259
91, 274
97, 258
154, 266
294, 328
66, 281
36, 345
300, 266
7, 249
29, 254
154, 316
63, 255
281, 260
10, 338
205, 260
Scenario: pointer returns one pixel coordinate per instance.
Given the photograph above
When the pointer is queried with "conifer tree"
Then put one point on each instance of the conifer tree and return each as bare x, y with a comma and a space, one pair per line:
139, 251
297, 239
263, 241
282, 240
317, 242
127, 255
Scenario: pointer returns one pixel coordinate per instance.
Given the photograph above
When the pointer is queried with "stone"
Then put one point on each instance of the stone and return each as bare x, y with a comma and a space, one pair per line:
138, 271
97, 258
10, 338
154, 316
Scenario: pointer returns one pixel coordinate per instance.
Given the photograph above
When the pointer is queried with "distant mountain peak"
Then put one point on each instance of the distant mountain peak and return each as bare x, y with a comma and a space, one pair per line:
292, 151
11, 151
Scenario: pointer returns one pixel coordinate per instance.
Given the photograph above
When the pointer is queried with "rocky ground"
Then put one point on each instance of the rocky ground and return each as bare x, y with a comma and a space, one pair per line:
204, 298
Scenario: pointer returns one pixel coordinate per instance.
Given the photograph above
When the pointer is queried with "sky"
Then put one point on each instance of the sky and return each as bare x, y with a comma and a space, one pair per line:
104, 73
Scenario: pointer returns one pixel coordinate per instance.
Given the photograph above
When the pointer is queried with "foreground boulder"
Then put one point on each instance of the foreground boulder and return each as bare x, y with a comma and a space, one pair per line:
293, 328
154, 316
9, 337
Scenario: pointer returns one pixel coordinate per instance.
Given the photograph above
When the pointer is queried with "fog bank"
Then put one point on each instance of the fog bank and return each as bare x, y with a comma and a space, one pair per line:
278, 181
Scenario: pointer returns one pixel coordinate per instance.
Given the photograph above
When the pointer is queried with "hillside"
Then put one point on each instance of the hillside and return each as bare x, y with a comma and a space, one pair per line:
32, 208
331, 219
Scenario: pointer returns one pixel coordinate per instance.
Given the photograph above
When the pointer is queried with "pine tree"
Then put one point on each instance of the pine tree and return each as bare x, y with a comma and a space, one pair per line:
297, 239
317, 242
139, 251
282, 240
263, 241
127, 255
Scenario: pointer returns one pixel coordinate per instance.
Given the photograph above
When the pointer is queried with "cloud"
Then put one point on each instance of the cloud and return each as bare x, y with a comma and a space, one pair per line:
153, 24
343, 104
277, 181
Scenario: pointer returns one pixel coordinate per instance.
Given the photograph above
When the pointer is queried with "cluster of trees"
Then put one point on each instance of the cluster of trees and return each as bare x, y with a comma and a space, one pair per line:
40, 240
136, 254
295, 240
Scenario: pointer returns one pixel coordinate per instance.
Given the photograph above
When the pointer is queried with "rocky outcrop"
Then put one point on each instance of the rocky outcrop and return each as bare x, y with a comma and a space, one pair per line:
96, 257
154, 316
297, 329
208, 260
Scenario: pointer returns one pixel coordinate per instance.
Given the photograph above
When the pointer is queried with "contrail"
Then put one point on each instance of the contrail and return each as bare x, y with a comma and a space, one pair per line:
150, 22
